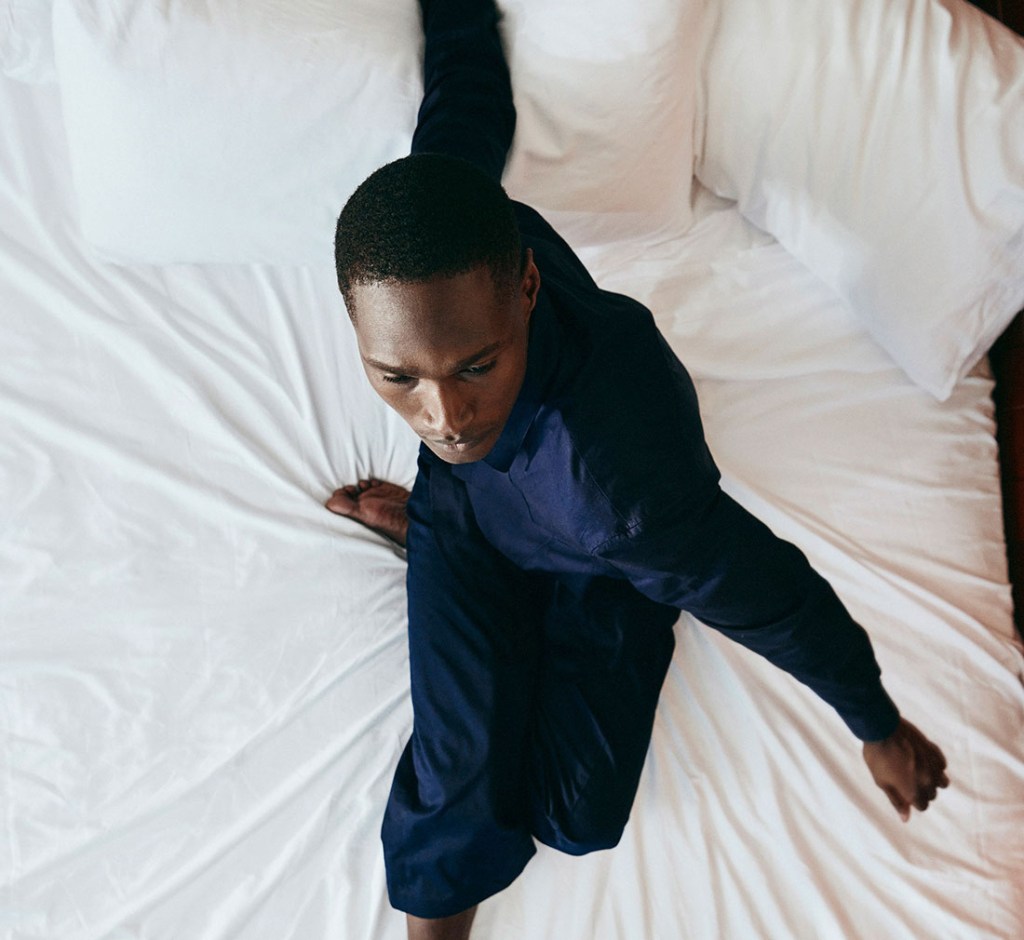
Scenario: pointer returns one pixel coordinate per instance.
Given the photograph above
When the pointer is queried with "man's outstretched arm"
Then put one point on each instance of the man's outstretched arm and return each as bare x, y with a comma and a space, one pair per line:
728, 569
467, 108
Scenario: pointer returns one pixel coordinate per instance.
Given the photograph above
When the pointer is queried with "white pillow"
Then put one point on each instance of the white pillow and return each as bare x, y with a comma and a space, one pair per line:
26, 40
882, 143
231, 130
234, 130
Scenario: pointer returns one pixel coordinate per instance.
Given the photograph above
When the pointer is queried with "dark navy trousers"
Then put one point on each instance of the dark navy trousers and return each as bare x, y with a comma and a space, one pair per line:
534, 695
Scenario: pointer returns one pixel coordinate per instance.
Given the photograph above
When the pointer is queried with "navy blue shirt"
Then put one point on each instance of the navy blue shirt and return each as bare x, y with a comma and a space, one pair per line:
602, 469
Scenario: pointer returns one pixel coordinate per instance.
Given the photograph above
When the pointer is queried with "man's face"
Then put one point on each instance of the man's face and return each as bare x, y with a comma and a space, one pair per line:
448, 354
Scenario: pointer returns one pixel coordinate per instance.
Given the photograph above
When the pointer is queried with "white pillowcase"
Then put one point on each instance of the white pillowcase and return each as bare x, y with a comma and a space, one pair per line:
26, 40
230, 131
234, 130
882, 143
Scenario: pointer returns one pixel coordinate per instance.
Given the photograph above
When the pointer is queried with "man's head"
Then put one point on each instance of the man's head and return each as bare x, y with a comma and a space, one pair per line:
429, 263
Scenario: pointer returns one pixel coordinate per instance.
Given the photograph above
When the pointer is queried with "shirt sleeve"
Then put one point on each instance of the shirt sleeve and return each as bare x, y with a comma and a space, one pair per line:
720, 563
453, 832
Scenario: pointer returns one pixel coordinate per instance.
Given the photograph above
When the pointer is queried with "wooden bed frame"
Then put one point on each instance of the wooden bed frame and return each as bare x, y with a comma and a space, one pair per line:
1011, 12
1007, 359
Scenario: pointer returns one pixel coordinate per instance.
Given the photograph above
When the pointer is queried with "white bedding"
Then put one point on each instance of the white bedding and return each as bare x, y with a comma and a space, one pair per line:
203, 687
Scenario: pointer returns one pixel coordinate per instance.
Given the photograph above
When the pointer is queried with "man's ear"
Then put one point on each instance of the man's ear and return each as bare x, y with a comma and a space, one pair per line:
529, 285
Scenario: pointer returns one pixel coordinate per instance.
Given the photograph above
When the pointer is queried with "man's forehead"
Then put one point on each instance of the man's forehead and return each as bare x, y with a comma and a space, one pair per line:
463, 305
426, 328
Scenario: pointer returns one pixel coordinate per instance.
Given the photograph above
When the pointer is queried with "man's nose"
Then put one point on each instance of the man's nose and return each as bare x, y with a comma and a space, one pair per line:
447, 412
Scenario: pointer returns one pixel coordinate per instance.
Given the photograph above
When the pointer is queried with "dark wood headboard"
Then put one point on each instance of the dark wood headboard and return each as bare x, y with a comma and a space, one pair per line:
1011, 12
1008, 365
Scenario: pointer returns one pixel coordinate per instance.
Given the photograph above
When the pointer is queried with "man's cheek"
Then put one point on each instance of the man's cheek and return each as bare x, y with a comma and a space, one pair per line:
396, 402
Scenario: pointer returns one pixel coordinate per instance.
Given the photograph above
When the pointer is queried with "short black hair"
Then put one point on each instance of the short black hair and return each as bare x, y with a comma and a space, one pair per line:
424, 216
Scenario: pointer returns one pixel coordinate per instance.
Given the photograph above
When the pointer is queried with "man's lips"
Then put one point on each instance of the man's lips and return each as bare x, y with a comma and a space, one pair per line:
460, 443
463, 443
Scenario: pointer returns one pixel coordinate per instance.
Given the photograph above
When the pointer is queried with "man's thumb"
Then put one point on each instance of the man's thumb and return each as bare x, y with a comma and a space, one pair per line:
341, 503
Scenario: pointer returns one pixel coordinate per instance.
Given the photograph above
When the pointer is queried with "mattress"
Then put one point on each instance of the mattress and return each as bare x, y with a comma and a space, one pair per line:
204, 683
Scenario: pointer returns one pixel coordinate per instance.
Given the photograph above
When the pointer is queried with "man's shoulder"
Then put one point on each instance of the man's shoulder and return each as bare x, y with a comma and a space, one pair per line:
631, 398
622, 438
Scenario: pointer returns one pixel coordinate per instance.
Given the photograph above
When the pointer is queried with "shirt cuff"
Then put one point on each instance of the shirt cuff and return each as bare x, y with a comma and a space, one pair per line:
871, 715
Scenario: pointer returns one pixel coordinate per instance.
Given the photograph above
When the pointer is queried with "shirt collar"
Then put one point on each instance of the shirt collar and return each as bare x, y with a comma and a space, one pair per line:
541, 356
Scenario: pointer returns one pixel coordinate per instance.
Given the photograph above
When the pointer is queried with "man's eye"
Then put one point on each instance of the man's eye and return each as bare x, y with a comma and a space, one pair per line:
478, 370
398, 379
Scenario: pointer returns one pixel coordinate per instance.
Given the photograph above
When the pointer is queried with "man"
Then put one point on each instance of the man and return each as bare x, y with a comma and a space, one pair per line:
566, 508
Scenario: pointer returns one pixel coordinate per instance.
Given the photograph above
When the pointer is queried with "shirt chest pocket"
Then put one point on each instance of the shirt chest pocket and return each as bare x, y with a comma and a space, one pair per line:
507, 523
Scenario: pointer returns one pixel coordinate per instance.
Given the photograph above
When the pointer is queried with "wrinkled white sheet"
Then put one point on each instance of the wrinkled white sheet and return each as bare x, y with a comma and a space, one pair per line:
203, 685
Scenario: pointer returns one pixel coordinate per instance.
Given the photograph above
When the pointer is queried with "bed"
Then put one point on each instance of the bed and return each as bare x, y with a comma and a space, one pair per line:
204, 685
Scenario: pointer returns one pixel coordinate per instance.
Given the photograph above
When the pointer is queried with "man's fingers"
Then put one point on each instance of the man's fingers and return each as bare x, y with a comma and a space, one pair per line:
908, 793
939, 770
930, 777
345, 501
342, 502
932, 772
926, 796
899, 804
935, 757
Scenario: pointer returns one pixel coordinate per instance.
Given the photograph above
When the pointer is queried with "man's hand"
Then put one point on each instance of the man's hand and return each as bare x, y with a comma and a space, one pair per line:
377, 505
908, 767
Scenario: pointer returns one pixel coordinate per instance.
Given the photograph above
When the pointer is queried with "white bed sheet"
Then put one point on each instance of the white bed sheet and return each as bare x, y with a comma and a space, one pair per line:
203, 685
